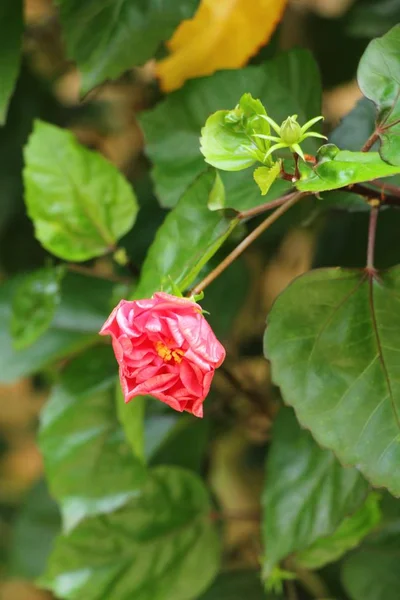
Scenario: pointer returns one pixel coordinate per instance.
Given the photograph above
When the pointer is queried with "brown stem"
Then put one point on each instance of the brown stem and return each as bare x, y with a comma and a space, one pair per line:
370, 141
254, 398
373, 220
258, 210
235, 516
392, 199
246, 243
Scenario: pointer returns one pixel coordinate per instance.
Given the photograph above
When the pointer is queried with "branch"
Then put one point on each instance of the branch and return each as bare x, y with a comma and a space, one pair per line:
370, 141
392, 199
373, 220
247, 242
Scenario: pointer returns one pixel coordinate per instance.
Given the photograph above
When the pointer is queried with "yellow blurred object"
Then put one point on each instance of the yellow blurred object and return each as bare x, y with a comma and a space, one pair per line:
221, 35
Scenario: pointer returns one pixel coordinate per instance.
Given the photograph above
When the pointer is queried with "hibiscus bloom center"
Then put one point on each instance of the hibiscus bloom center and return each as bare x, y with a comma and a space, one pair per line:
167, 354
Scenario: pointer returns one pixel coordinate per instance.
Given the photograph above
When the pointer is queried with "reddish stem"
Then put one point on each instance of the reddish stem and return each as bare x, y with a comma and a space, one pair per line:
370, 141
373, 220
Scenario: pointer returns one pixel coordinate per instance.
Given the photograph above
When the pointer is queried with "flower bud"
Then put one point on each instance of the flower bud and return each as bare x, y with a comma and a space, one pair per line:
290, 131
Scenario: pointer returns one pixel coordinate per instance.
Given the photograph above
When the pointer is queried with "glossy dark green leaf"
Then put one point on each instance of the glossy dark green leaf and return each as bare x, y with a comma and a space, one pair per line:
347, 536
35, 529
121, 35
80, 203
379, 79
307, 492
188, 238
89, 466
85, 305
12, 26
343, 168
288, 84
34, 304
237, 585
332, 338
161, 546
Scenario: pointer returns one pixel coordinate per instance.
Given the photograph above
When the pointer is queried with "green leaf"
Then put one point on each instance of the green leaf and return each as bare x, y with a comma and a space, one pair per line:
162, 546
122, 34
226, 141
307, 492
131, 417
265, 177
34, 304
80, 203
188, 238
237, 585
184, 446
36, 526
341, 168
85, 305
379, 80
11, 18
89, 467
372, 570
333, 345
347, 536
288, 84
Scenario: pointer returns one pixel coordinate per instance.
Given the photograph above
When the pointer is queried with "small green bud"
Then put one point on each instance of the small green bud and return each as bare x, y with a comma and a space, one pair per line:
290, 131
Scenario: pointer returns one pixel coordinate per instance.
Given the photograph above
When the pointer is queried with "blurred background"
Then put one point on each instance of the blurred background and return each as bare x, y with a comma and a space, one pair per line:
337, 32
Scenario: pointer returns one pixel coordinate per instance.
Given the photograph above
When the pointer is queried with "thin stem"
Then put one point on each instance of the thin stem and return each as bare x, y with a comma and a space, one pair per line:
246, 243
291, 590
296, 166
370, 141
258, 210
254, 398
373, 220
392, 199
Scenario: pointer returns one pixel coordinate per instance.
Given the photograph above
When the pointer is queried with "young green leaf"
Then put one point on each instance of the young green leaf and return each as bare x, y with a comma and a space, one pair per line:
34, 304
348, 535
120, 35
226, 139
162, 545
80, 203
265, 176
342, 167
89, 467
11, 18
333, 345
307, 492
379, 79
288, 84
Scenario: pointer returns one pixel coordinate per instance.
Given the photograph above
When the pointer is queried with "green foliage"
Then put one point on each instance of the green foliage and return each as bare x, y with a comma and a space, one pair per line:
35, 529
162, 545
287, 84
307, 492
188, 238
338, 168
227, 139
121, 35
79, 203
348, 535
34, 305
85, 304
338, 328
379, 80
90, 468
10, 51
147, 500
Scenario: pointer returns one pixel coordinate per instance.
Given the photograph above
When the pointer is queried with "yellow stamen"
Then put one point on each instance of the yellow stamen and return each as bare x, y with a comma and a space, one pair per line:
177, 355
163, 351
166, 354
